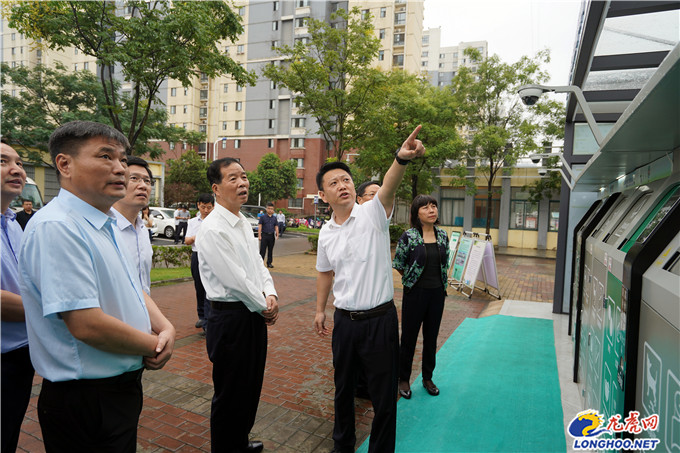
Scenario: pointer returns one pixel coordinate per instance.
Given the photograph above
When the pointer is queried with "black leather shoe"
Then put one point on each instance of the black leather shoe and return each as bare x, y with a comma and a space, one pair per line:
405, 389
255, 446
430, 387
199, 324
270, 266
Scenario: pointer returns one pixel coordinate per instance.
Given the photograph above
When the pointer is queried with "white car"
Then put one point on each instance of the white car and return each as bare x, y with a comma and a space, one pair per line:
164, 220
252, 220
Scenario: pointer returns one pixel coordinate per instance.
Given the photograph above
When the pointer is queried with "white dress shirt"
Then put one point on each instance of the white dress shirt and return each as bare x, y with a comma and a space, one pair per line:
192, 229
358, 251
229, 261
138, 246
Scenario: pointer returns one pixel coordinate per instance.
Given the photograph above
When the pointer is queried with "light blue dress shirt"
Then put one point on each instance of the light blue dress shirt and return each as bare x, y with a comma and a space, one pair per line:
72, 258
13, 333
138, 246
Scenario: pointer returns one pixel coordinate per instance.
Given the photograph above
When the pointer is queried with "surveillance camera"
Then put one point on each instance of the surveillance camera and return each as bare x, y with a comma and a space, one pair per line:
530, 93
535, 159
542, 172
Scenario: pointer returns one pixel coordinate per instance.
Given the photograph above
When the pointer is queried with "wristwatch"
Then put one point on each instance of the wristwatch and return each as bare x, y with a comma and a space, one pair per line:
399, 160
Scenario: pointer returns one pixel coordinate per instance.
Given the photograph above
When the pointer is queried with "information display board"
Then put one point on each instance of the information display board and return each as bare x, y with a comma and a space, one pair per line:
453, 247
475, 260
461, 258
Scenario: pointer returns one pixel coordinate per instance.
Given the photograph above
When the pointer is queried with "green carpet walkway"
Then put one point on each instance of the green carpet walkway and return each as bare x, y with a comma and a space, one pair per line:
499, 392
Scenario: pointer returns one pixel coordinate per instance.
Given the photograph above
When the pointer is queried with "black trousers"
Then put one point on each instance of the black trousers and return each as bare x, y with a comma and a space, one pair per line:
267, 245
91, 415
180, 231
236, 340
420, 306
201, 304
373, 344
17, 380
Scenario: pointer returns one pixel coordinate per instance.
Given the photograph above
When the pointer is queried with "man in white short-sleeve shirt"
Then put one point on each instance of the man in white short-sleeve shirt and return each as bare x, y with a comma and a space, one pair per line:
354, 246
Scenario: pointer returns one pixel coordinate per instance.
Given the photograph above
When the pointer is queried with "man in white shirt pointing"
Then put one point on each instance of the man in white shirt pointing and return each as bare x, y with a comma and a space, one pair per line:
243, 303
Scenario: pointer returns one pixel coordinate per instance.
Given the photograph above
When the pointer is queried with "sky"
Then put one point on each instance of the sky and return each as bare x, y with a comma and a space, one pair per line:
512, 28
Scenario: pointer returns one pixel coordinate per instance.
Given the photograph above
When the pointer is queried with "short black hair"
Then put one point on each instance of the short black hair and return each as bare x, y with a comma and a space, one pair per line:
206, 198
328, 166
270, 204
362, 187
68, 138
134, 160
418, 202
214, 172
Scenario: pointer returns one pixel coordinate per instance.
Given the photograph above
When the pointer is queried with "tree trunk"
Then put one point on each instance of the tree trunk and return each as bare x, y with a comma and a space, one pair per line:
489, 199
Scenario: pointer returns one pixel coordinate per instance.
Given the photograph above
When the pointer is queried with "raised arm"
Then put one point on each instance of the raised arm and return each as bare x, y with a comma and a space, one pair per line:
410, 149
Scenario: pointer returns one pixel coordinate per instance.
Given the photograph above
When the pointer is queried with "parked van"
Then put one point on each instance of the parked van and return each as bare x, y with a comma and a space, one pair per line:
30, 192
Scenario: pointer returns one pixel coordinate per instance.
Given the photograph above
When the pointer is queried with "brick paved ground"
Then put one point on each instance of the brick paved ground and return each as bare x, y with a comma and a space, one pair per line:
296, 408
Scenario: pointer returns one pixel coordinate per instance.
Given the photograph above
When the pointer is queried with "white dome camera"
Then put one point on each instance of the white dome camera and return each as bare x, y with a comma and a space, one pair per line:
530, 93
542, 171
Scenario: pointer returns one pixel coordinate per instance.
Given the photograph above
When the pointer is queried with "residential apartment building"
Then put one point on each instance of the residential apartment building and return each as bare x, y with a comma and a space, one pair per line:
442, 62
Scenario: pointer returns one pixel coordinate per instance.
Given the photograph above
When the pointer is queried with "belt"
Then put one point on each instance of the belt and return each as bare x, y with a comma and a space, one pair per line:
235, 305
267, 233
129, 376
367, 314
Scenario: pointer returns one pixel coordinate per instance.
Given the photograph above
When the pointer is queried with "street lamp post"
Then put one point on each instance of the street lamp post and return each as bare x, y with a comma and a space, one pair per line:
220, 139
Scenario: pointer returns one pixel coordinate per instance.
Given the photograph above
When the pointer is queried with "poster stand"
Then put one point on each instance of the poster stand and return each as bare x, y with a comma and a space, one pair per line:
479, 263
453, 249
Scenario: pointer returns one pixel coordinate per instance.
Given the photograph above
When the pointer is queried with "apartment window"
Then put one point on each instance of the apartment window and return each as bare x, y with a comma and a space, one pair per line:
481, 49
186, 91
224, 106
224, 125
442, 55
302, 3
383, 12
297, 103
300, 22
481, 208
364, 13
275, 44
239, 88
554, 224
295, 203
299, 163
237, 125
426, 39
171, 145
398, 60
304, 40
204, 95
237, 143
270, 143
272, 124
185, 108
452, 207
14, 65
75, 51
239, 106
86, 65
381, 33
298, 122
128, 10
184, 126
239, 49
399, 39
14, 36
523, 213
455, 54
14, 50
441, 84
173, 109
242, 11
226, 50
300, 183
203, 112
173, 91
225, 88
425, 54
275, 25
276, 6
381, 55
224, 143
423, 63
441, 65
400, 19
272, 85
272, 104
184, 144
297, 142
202, 128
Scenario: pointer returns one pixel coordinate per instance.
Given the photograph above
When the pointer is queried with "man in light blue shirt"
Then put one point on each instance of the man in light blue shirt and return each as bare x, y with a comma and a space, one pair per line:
91, 327
17, 371
132, 229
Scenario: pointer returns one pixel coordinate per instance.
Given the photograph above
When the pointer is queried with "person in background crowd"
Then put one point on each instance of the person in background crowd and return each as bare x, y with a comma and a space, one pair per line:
281, 219
205, 203
148, 221
366, 191
268, 233
17, 371
25, 214
243, 302
182, 217
354, 258
422, 259
96, 309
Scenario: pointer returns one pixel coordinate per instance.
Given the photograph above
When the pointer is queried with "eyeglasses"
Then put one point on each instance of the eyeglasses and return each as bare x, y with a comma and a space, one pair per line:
136, 179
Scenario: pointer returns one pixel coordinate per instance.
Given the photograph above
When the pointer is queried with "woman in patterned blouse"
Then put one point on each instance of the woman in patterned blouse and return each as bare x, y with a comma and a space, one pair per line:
421, 258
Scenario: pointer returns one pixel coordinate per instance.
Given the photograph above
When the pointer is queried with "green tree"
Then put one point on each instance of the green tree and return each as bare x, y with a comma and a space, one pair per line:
186, 178
272, 180
498, 127
326, 73
49, 97
158, 40
398, 106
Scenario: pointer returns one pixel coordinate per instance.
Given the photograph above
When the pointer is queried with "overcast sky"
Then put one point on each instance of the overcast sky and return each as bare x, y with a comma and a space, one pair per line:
511, 27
